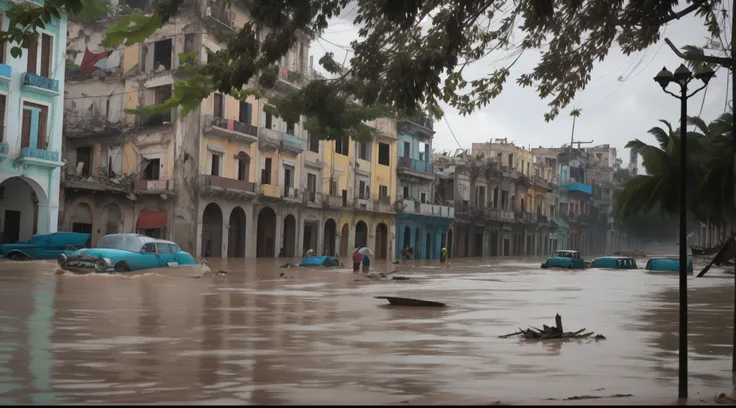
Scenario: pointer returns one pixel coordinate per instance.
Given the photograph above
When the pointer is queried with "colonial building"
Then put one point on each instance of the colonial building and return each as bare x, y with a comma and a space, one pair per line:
421, 223
31, 100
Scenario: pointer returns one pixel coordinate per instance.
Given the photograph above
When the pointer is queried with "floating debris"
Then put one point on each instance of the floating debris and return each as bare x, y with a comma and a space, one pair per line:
551, 333
399, 301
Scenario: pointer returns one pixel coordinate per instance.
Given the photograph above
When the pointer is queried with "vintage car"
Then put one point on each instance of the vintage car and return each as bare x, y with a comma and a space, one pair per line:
564, 259
125, 253
321, 260
614, 262
667, 265
44, 246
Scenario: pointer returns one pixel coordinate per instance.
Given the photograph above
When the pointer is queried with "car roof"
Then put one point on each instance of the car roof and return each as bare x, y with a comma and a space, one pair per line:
145, 238
567, 250
614, 257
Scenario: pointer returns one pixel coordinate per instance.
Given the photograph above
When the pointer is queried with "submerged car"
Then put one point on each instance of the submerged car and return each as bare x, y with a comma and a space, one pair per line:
564, 259
614, 262
126, 253
667, 265
321, 260
44, 246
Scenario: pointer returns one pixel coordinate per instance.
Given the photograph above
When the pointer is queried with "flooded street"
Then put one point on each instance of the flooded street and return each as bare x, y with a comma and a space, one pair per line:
318, 336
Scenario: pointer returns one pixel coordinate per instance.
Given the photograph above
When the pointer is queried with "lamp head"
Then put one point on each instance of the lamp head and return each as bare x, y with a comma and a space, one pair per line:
705, 73
682, 74
664, 77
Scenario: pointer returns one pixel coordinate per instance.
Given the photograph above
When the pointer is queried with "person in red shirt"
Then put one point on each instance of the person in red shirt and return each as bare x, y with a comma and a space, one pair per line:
357, 258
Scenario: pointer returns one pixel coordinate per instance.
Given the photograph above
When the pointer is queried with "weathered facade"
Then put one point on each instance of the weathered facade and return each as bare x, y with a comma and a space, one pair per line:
31, 100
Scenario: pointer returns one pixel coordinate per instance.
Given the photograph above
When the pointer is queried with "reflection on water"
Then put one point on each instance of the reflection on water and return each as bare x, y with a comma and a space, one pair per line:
317, 336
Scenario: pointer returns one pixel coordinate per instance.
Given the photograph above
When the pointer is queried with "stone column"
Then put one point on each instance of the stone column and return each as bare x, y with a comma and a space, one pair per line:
198, 240
225, 233
251, 239
278, 239
321, 236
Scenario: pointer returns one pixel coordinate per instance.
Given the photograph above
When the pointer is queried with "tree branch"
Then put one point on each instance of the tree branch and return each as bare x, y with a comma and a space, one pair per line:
724, 62
682, 13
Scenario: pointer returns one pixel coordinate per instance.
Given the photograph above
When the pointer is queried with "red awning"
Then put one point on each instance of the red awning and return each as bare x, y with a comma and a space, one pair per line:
151, 219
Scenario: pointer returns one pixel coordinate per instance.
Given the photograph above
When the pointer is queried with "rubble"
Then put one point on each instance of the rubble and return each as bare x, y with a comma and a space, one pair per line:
551, 333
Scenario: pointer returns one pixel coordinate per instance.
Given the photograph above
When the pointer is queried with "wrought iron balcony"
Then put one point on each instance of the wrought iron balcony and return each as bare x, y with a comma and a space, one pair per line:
47, 85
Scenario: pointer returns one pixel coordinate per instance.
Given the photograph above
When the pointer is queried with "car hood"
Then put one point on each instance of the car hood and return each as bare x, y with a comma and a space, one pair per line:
99, 252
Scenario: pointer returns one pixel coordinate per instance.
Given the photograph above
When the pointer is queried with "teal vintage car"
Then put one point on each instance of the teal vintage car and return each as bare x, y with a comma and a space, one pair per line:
614, 262
44, 246
564, 259
667, 265
125, 253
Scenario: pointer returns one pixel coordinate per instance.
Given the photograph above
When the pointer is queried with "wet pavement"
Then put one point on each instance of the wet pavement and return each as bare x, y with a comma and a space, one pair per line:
318, 336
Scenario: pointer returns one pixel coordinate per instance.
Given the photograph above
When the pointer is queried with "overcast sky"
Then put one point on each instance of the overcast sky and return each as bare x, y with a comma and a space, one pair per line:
621, 102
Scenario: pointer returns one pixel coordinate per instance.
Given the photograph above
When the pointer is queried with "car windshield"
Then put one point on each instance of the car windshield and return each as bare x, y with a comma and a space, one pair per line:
122, 241
564, 254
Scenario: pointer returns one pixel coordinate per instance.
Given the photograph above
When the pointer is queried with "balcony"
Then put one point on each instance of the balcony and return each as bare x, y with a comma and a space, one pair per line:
502, 215
382, 205
437, 210
312, 198
363, 204
224, 185
333, 201
540, 182
3, 151
221, 12
422, 122
231, 130
291, 144
580, 188
542, 218
289, 81
153, 186
41, 84
40, 157
415, 168
269, 190
5, 72
530, 218
291, 194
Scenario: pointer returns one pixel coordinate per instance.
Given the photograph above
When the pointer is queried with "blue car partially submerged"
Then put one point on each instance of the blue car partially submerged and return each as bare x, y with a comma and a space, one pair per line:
667, 265
321, 260
614, 262
125, 253
44, 246
565, 259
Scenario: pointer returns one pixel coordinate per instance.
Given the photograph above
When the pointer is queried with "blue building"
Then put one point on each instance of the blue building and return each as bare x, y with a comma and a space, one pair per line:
420, 224
32, 105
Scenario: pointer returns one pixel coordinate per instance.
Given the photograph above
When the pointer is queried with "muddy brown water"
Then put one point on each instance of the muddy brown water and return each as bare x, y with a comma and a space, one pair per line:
318, 336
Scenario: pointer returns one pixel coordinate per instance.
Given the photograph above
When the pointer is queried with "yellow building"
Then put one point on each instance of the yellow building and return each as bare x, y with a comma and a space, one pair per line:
359, 178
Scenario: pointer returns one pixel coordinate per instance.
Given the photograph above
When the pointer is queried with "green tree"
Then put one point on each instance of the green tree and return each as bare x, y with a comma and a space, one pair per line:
411, 54
658, 190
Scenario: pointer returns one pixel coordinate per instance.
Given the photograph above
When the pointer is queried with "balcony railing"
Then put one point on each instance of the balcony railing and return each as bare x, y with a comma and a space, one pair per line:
502, 215
363, 204
333, 201
530, 217
311, 197
34, 153
227, 183
230, 125
580, 188
291, 193
270, 190
421, 120
40, 82
414, 164
382, 204
154, 186
412, 207
542, 218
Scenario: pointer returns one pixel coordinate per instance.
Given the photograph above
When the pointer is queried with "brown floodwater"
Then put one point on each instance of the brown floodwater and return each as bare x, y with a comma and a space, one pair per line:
318, 336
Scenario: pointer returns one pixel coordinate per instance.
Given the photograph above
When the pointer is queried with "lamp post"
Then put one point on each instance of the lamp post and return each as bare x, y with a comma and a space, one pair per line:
683, 77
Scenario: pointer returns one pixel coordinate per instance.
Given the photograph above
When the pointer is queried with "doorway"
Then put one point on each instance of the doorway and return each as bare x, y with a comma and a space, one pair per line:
11, 232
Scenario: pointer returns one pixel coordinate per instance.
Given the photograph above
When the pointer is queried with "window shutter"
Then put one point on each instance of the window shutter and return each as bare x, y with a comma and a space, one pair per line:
46, 56
32, 58
25, 138
42, 128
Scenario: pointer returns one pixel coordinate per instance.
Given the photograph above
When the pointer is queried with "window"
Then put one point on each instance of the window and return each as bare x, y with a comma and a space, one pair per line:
406, 192
246, 113
522, 166
423, 198
313, 143
149, 248
215, 167
333, 187
312, 186
407, 149
32, 59
35, 122
361, 190
2, 106
3, 49
383, 154
290, 128
383, 193
84, 156
266, 172
243, 167
152, 170
511, 161
288, 176
342, 146
218, 106
527, 170
163, 248
344, 198
363, 151
269, 120
162, 55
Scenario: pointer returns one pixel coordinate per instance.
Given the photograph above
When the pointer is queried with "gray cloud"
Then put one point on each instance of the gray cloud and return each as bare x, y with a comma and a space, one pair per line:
621, 102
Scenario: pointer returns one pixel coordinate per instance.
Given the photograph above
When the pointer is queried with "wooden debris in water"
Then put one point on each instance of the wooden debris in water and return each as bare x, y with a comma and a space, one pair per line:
551, 333
399, 301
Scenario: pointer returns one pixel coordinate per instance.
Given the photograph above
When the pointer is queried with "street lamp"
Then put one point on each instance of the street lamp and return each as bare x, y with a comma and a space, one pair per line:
683, 77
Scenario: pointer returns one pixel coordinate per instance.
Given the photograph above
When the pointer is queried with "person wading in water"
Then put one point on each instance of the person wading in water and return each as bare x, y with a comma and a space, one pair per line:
357, 257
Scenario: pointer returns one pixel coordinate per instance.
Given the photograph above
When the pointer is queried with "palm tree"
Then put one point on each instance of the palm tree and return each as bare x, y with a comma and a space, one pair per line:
716, 190
658, 190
